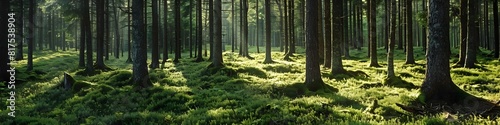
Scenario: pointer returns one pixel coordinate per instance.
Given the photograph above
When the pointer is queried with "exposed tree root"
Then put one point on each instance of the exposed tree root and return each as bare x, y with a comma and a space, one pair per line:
469, 107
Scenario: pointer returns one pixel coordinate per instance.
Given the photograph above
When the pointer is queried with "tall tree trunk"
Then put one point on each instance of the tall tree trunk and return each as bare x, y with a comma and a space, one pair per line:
328, 36
337, 67
424, 28
313, 76
41, 30
463, 32
117, 30
165, 32
245, 29
473, 36
88, 34
400, 26
154, 51
129, 21
268, 31
82, 35
392, 41
31, 37
211, 26
139, 68
345, 29
285, 8
409, 33
321, 42
107, 37
291, 36
100, 34
233, 22
438, 86
217, 55
190, 28
495, 27
360, 22
20, 32
178, 38
257, 24
199, 29
4, 57
373, 35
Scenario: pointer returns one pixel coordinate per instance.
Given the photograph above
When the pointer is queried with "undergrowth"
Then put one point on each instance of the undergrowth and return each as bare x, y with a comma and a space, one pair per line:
243, 92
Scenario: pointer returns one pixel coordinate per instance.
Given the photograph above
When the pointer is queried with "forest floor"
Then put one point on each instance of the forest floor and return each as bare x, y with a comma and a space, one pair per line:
258, 94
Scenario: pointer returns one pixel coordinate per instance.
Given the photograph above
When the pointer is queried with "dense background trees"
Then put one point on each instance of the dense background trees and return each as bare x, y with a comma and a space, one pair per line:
307, 33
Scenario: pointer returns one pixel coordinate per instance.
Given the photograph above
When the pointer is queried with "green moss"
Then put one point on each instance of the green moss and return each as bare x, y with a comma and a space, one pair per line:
244, 92
79, 85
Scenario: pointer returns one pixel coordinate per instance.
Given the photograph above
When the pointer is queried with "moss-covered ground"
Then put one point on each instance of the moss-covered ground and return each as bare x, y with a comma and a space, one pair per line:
183, 93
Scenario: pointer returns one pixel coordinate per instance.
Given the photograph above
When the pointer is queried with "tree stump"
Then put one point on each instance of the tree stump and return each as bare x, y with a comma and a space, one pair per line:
67, 82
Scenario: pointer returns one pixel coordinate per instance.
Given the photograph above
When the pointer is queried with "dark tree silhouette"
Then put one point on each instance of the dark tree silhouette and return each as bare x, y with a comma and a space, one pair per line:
463, 33
409, 33
495, 27
31, 34
373, 34
20, 30
473, 36
139, 68
199, 28
154, 51
177, 31
437, 86
100, 35
392, 41
117, 31
81, 62
328, 43
337, 67
88, 37
313, 75
268, 31
4, 10
165, 32
217, 55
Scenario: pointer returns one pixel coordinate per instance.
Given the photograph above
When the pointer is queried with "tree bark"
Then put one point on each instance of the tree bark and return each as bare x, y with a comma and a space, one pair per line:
328, 35
165, 32
463, 32
31, 36
154, 51
268, 58
82, 35
211, 26
4, 57
495, 27
117, 31
337, 67
178, 31
139, 67
438, 86
20, 33
217, 55
199, 29
88, 33
392, 41
373, 35
409, 33
473, 36
313, 76
100, 34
